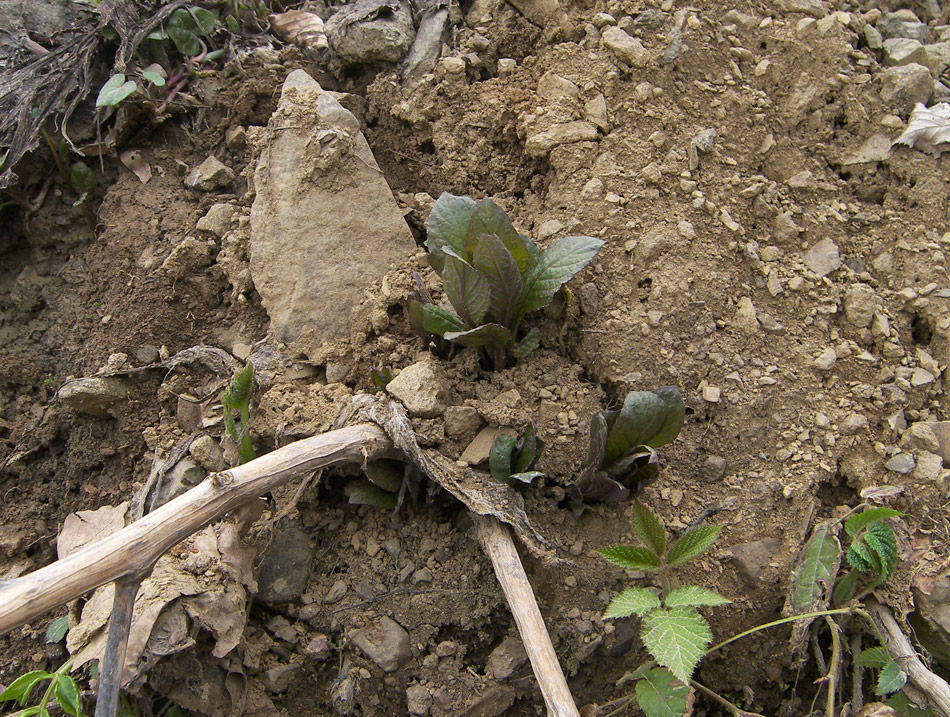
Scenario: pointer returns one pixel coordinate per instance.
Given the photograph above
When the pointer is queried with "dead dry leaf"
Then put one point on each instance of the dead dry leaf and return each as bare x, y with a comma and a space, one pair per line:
135, 163
928, 129
303, 29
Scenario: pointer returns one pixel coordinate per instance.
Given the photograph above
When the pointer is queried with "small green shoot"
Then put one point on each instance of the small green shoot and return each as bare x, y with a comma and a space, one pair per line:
380, 377
237, 397
385, 484
672, 628
493, 276
62, 688
511, 458
622, 457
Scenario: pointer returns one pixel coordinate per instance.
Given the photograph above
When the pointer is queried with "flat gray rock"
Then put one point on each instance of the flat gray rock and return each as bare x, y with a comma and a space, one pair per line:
385, 642
324, 224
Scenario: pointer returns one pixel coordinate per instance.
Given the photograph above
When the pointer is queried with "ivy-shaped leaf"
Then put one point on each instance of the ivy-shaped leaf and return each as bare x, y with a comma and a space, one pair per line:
649, 528
632, 601
677, 638
631, 557
695, 596
694, 543
116, 89
660, 695
817, 569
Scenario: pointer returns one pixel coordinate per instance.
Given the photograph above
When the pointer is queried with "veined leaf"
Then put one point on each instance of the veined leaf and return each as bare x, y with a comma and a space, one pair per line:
23, 685
882, 541
631, 557
484, 335
857, 522
186, 25
437, 320
467, 289
387, 474
499, 456
447, 227
845, 587
528, 344
650, 418
57, 629
861, 558
649, 528
817, 569
695, 596
66, 692
494, 261
490, 219
116, 89
692, 544
555, 267
891, 679
876, 657
660, 695
677, 638
632, 601
531, 447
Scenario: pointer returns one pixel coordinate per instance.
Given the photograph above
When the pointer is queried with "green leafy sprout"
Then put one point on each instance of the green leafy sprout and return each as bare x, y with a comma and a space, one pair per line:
622, 458
493, 276
61, 687
511, 458
237, 397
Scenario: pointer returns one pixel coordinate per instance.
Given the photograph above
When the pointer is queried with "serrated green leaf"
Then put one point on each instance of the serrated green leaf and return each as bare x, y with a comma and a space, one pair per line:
876, 657
677, 638
499, 456
437, 320
650, 418
490, 219
57, 629
857, 522
116, 89
692, 544
387, 474
881, 540
23, 685
818, 567
632, 601
67, 694
902, 704
649, 528
492, 259
631, 557
861, 558
484, 335
365, 493
528, 344
447, 227
466, 289
659, 695
891, 679
695, 596
555, 267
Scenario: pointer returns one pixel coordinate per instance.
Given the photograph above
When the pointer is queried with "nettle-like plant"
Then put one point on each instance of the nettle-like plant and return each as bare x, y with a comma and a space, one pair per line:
237, 397
622, 458
672, 629
493, 276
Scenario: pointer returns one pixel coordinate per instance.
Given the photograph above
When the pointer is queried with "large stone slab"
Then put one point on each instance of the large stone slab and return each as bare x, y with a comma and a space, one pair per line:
324, 224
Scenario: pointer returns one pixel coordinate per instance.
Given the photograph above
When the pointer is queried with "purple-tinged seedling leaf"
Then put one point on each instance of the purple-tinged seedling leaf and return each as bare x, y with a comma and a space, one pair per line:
488, 218
484, 335
467, 289
499, 457
555, 267
447, 227
527, 344
494, 261
648, 418
437, 320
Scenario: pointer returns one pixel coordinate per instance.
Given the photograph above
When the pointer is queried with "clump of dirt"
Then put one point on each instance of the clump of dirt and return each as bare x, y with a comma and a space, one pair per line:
790, 280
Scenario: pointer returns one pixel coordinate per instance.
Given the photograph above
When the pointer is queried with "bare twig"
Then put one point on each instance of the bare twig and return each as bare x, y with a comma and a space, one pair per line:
497, 542
898, 645
113, 659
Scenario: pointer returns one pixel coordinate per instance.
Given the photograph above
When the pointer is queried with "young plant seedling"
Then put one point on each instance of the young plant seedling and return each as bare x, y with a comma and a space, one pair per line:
62, 688
511, 458
622, 457
671, 627
493, 276
237, 397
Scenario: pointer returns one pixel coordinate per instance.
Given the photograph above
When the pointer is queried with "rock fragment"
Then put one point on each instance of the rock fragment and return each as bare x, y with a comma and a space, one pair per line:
385, 642
901, 463
422, 389
823, 257
905, 86
95, 396
369, 31
209, 175
285, 567
627, 48
860, 303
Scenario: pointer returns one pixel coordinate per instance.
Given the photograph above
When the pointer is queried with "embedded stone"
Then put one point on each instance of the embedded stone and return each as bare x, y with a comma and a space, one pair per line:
422, 389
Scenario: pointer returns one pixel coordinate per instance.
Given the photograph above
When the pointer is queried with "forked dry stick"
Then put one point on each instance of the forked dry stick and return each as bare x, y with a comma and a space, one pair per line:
134, 549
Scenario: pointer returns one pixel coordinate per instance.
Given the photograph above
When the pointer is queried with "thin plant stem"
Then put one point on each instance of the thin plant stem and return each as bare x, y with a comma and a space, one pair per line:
784, 620
719, 699
832, 675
